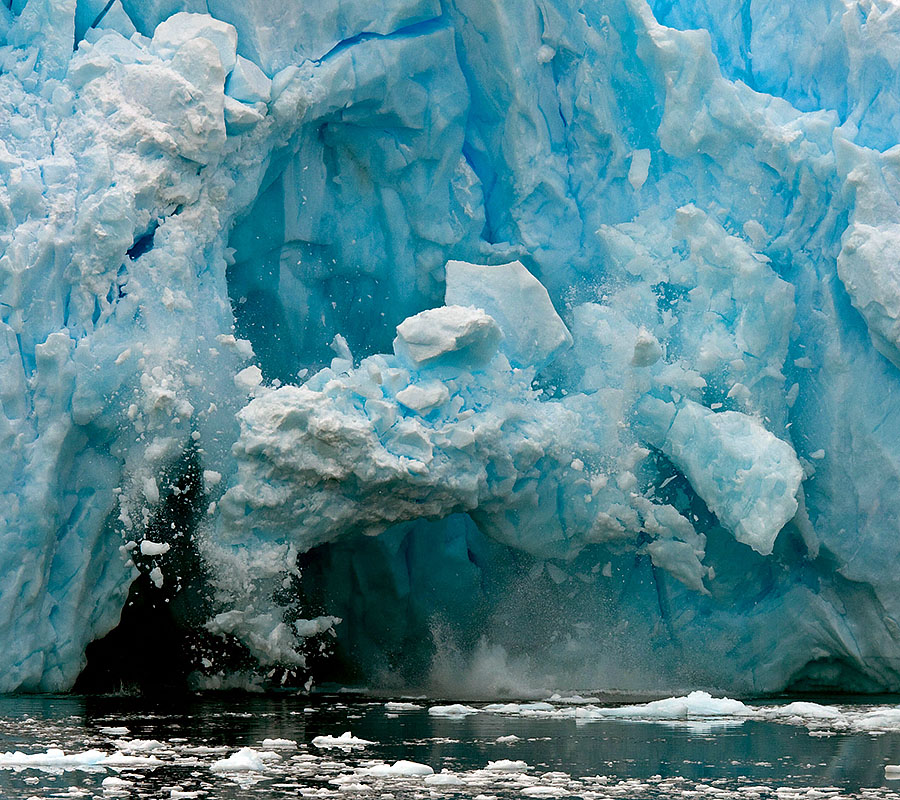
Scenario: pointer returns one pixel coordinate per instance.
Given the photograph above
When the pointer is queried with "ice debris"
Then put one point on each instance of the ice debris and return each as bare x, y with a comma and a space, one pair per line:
533, 333
55, 760
345, 741
399, 769
701, 708
456, 710
245, 760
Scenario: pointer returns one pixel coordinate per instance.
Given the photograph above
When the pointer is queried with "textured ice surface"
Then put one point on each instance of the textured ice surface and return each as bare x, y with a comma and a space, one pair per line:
540, 344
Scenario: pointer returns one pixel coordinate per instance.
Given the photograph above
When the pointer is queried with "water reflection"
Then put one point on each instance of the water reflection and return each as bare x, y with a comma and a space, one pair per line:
603, 758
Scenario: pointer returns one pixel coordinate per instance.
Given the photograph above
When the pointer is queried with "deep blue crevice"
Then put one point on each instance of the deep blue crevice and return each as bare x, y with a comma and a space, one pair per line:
417, 29
143, 244
79, 21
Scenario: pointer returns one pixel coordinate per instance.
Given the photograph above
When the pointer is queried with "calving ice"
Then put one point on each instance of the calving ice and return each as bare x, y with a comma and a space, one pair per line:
546, 343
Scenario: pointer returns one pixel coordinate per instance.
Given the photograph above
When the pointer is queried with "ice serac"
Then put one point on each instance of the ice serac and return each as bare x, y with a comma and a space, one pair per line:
534, 332
500, 342
452, 335
746, 476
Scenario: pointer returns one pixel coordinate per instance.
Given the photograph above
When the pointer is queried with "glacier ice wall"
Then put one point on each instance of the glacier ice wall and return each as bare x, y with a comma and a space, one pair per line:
562, 330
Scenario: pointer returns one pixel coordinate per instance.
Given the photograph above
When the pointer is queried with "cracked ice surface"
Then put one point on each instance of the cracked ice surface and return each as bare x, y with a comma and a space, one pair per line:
614, 307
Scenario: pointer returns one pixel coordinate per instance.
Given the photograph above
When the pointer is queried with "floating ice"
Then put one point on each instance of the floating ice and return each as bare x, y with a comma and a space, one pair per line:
746, 763
245, 760
696, 704
444, 778
286, 744
139, 745
111, 784
704, 712
506, 765
398, 706
604, 294
55, 759
457, 711
399, 769
345, 741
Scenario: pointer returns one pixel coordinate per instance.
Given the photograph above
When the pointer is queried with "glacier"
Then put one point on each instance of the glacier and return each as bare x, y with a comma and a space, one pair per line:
402, 341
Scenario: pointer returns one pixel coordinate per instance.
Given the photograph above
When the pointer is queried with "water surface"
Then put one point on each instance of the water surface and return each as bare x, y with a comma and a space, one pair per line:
169, 749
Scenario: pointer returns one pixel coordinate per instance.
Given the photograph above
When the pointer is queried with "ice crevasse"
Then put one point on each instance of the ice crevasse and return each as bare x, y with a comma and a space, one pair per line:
569, 330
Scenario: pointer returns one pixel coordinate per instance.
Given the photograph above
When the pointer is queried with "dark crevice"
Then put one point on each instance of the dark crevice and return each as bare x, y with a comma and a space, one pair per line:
142, 244
160, 639
830, 676
488, 179
102, 14
121, 282
80, 33
415, 29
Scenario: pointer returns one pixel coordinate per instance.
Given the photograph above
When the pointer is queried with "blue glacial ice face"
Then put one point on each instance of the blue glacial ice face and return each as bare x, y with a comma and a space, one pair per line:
567, 332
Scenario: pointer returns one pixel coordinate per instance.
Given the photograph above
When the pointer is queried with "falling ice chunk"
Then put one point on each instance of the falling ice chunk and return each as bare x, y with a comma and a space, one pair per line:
149, 548
452, 335
639, 169
533, 333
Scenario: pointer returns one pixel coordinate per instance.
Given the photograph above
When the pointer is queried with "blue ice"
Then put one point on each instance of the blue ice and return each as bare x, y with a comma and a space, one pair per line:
566, 331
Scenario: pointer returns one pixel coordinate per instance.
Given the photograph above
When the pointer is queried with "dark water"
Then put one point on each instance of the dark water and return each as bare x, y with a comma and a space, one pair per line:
728, 758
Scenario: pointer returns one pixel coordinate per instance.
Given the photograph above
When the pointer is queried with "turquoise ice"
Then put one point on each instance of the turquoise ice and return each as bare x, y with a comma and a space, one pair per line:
562, 331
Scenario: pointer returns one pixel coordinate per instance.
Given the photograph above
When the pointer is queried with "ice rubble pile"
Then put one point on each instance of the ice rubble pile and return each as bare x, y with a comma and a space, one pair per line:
613, 300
